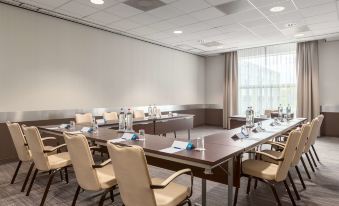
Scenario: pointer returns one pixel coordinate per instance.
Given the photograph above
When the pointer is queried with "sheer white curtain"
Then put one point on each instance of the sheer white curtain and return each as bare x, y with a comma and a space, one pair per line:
267, 78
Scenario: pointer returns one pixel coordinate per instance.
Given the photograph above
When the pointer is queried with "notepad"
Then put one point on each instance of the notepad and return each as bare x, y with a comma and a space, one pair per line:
75, 132
177, 146
127, 136
117, 140
53, 128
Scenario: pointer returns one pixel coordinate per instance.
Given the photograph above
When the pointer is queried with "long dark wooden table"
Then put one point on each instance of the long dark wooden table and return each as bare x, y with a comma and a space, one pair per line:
220, 162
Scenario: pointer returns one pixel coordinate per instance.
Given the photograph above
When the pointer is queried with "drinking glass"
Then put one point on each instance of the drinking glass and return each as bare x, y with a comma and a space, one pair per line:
200, 144
141, 133
72, 124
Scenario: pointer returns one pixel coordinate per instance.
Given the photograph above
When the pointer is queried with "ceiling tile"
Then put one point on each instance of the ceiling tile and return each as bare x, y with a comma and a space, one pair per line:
322, 18
142, 31
195, 27
166, 12
325, 25
261, 3
206, 14
77, 9
232, 28
160, 35
190, 5
167, 1
289, 7
161, 26
220, 21
144, 19
247, 15
182, 20
307, 3
291, 17
124, 25
256, 23
102, 18
123, 10
318, 10
217, 2
108, 3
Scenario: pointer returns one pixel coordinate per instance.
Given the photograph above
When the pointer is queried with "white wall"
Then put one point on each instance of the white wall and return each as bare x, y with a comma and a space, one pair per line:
49, 64
329, 72
215, 75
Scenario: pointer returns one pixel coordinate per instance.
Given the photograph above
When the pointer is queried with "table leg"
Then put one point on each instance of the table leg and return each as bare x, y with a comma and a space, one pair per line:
189, 135
203, 192
230, 182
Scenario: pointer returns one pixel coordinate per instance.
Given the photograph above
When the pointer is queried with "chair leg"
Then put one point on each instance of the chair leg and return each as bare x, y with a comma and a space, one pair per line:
175, 134
111, 195
48, 186
61, 175
300, 177
305, 167
249, 185
16, 171
309, 162
315, 152
315, 164
293, 186
32, 181
255, 184
275, 193
236, 196
76, 195
102, 198
27, 177
66, 175
189, 203
289, 193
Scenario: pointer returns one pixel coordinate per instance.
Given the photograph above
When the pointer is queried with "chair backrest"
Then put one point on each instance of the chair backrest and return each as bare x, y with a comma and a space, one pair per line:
320, 118
19, 141
84, 118
139, 114
313, 134
305, 130
132, 175
36, 147
82, 161
288, 154
109, 116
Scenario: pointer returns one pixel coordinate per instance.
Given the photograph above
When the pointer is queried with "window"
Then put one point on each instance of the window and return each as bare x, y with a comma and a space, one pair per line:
267, 78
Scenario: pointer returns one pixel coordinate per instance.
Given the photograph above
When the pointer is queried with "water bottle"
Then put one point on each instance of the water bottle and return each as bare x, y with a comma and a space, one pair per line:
288, 112
94, 125
154, 112
280, 112
122, 120
150, 111
129, 121
249, 117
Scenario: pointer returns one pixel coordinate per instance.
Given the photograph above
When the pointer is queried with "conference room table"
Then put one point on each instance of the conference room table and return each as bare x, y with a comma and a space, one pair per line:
219, 162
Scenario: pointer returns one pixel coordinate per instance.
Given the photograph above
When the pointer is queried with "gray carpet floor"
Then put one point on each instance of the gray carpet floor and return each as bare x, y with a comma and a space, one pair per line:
323, 189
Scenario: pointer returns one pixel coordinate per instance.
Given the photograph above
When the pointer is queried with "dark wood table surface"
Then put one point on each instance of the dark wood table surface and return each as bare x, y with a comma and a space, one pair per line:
222, 151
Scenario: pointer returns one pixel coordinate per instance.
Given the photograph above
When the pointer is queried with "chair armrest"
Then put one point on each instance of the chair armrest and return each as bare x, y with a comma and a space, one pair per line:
279, 144
102, 164
172, 177
48, 138
54, 148
269, 156
94, 147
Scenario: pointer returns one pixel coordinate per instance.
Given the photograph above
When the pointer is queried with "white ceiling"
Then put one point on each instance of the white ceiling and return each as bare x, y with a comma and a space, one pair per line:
243, 24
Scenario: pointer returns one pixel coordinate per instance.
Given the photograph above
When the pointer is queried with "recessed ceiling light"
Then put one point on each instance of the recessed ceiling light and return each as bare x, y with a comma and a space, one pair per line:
299, 35
97, 2
277, 9
289, 25
177, 32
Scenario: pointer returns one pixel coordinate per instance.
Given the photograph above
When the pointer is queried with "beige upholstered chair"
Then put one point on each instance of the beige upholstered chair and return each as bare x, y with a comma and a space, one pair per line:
135, 185
320, 118
83, 118
43, 162
271, 173
89, 176
139, 114
110, 116
21, 147
305, 130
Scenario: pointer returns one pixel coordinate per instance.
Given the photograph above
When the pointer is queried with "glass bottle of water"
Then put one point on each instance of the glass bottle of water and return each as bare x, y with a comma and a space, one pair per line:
249, 117
288, 112
150, 111
122, 120
129, 121
94, 125
154, 112
280, 112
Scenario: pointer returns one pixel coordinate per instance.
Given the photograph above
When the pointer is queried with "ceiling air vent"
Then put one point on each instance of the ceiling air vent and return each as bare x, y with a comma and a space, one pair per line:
144, 5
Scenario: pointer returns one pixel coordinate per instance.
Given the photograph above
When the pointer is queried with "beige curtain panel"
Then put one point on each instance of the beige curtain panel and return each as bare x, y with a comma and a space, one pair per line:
230, 87
308, 105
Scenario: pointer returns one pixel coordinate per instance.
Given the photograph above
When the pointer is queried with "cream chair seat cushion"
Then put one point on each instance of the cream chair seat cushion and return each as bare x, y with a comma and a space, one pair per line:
106, 176
46, 148
276, 154
171, 195
59, 160
260, 169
